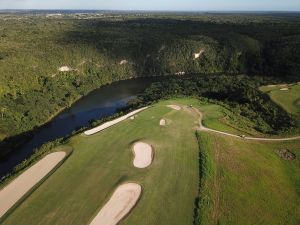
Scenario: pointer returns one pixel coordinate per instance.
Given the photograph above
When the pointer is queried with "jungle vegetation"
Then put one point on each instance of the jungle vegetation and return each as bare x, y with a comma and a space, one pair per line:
110, 47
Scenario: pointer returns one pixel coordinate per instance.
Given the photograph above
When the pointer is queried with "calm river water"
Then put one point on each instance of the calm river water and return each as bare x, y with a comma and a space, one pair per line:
96, 105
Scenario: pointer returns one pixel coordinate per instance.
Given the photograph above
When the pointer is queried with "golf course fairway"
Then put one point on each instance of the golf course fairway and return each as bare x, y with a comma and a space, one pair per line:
196, 177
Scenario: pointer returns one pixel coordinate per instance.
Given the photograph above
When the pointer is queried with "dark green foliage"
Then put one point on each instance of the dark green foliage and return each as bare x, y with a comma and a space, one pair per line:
238, 93
32, 48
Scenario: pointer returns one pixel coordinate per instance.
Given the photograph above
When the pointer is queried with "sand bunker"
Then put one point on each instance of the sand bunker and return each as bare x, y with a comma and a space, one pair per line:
119, 205
124, 61
176, 107
180, 73
113, 122
162, 122
15, 190
284, 89
197, 55
65, 69
142, 155
161, 48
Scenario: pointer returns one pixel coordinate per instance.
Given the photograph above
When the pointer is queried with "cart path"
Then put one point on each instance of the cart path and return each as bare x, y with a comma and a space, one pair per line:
203, 128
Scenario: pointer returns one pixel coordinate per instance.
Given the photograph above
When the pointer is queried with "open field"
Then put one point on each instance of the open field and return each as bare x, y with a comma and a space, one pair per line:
287, 96
241, 181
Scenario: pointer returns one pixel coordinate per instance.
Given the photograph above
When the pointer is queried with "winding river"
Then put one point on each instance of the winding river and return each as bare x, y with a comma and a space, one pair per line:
96, 105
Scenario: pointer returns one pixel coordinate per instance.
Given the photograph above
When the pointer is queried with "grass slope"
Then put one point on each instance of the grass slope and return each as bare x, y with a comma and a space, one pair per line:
77, 191
287, 99
246, 182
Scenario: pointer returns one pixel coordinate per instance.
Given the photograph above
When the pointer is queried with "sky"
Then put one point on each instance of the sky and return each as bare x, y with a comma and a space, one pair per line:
173, 5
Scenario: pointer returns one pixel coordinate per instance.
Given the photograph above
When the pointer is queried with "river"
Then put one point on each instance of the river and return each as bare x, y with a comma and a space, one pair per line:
96, 105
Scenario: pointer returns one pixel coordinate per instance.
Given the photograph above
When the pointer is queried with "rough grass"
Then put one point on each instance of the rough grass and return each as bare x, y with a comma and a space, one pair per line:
99, 163
248, 183
219, 118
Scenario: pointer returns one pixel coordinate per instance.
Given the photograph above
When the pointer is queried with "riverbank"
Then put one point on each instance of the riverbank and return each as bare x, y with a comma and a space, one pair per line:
97, 104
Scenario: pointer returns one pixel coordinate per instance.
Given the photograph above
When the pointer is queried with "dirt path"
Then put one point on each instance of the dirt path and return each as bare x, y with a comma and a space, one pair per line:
15, 190
113, 122
119, 205
202, 128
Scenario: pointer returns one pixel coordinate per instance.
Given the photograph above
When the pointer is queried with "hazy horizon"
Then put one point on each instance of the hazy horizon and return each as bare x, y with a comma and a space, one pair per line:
154, 5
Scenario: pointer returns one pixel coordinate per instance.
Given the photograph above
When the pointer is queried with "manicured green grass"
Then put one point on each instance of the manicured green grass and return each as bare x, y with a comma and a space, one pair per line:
219, 118
75, 193
241, 182
287, 99
247, 183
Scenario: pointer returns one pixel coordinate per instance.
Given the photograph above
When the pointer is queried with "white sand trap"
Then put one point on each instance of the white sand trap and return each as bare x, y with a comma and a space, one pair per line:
176, 107
124, 61
119, 205
284, 89
198, 54
65, 69
15, 190
161, 48
142, 155
113, 122
180, 73
162, 122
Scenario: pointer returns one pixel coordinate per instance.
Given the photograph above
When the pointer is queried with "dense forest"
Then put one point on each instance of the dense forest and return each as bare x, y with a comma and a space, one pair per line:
238, 93
46, 62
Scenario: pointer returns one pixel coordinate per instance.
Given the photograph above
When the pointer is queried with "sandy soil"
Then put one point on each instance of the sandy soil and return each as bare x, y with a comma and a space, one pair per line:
142, 155
180, 73
197, 55
113, 122
124, 61
119, 205
176, 107
284, 89
161, 48
162, 122
15, 190
65, 69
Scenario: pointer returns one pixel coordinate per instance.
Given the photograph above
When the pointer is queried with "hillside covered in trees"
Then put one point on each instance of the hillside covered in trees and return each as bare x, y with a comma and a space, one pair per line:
47, 62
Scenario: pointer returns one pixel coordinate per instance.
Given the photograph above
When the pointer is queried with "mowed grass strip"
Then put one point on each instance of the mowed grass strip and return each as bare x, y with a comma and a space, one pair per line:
99, 163
246, 182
